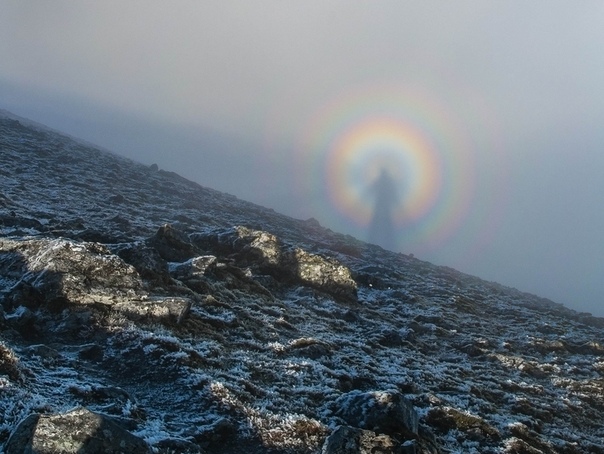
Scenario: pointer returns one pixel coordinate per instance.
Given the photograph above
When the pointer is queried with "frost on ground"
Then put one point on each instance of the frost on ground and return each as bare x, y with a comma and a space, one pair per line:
196, 322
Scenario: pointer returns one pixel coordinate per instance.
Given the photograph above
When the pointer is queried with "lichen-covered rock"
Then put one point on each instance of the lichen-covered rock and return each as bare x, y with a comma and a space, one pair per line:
265, 246
78, 431
324, 274
350, 440
264, 252
386, 412
67, 270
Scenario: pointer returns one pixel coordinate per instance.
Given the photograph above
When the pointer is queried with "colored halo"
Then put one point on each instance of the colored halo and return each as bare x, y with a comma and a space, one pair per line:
359, 155
410, 135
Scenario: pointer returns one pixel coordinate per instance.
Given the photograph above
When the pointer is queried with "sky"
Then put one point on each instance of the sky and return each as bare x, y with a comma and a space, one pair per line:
488, 115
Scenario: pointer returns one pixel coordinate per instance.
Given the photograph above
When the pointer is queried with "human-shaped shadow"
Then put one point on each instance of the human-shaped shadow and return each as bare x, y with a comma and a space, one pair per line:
382, 230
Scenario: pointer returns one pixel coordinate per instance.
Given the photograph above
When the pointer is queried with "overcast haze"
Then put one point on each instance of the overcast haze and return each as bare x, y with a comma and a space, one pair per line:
489, 114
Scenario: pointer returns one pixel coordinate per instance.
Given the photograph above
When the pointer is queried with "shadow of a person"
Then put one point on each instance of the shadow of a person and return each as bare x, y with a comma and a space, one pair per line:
382, 230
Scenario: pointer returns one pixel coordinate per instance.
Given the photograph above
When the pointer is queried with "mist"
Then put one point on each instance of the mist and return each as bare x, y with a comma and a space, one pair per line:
488, 115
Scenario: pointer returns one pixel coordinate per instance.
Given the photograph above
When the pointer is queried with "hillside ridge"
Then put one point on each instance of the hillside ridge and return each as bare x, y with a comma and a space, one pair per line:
177, 318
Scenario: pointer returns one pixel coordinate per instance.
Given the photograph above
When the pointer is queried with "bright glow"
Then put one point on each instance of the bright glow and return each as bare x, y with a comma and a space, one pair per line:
357, 157
405, 131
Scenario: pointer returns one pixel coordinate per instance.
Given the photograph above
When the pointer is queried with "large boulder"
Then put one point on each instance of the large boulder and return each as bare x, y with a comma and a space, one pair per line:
60, 269
78, 431
267, 254
324, 274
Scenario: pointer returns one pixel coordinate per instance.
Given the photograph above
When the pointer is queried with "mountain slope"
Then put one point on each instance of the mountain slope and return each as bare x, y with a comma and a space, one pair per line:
196, 322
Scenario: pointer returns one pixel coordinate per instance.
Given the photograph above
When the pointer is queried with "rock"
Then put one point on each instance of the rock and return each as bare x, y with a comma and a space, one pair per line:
218, 432
174, 445
172, 244
23, 223
262, 246
91, 352
193, 268
72, 322
324, 274
390, 338
164, 310
12, 263
349, 316
350, 440
357, 382
518, 446
25, 295
112, 399
386, 412
48, 354
268, 255
118, 198
67, 271
97, 236
20, 318
78, 431
147, 261
445, 419
68, 225
310, 348
312, 224
9, 364
120, 221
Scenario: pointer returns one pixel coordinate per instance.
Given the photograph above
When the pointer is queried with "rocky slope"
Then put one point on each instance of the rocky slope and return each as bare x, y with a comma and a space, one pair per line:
141, 312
